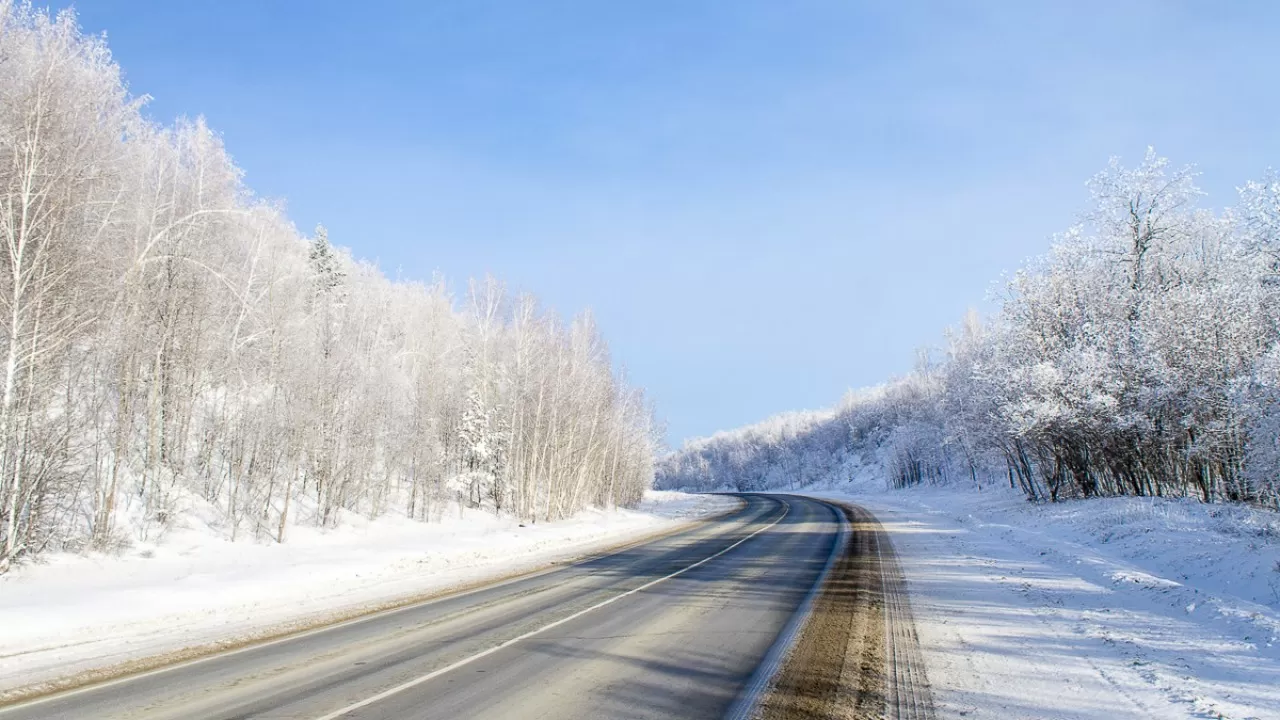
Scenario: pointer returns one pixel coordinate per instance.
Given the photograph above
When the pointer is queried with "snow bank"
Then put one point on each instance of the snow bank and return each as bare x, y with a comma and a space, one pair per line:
73, 613
1095, 609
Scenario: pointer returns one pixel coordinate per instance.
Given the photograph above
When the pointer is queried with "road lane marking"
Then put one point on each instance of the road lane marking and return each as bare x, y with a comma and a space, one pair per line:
519, 638
286, 637
749, 699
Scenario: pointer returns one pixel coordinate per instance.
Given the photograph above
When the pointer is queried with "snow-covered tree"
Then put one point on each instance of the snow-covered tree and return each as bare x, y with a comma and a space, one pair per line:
1136, 357
171, 342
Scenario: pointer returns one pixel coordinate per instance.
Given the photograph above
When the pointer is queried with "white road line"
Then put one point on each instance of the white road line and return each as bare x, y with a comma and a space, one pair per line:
749, 699
508, 643
282, 638
285, 637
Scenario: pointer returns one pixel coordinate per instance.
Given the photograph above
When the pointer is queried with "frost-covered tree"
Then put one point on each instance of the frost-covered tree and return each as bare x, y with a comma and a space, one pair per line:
1136, 357
171, 343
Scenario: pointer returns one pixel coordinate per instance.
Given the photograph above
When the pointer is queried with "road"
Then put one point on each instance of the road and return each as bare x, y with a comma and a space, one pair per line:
673, 628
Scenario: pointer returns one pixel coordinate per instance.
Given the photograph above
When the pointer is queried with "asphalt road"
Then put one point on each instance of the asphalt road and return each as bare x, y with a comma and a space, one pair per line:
670, 629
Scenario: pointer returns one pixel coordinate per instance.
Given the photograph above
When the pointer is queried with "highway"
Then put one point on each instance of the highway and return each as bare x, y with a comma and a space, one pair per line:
673, 628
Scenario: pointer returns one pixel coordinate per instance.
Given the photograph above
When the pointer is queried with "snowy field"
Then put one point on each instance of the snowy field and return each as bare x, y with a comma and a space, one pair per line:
1099, 609
70, 614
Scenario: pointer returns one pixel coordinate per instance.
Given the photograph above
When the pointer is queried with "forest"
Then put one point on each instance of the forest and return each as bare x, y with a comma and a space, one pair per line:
171, 341
1139, 356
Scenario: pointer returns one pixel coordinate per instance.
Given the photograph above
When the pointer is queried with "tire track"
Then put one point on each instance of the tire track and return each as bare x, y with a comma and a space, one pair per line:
859, 655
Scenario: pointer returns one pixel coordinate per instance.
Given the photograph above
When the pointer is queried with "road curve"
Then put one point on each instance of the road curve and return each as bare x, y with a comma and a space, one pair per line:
673, 628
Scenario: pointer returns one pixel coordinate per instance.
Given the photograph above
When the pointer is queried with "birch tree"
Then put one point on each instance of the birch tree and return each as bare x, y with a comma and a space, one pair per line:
172, 344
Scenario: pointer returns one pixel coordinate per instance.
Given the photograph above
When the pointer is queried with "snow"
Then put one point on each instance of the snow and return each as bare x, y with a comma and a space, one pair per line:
1084, 610
1090, 609
73, 613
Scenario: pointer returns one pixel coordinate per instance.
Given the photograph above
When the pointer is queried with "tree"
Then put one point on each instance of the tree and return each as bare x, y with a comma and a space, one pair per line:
170, 342
1136, 357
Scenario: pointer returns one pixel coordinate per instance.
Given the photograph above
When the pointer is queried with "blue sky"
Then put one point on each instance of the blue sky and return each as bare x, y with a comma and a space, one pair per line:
764, 203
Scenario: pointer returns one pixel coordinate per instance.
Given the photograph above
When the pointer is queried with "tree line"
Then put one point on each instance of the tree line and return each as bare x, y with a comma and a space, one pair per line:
170, 341
1139, 356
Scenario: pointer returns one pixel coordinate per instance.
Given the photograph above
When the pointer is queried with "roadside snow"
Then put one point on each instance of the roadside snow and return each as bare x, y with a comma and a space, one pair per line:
1096, 609
73, 613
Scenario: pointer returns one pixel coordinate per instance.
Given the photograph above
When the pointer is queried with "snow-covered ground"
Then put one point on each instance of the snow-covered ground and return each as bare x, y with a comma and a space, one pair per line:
73, 613
1097, 609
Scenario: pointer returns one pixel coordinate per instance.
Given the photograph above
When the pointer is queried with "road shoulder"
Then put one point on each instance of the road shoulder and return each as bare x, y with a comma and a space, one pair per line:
1083, 611
858, 655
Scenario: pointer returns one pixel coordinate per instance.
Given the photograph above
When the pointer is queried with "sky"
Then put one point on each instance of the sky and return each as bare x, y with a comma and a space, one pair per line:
764, 204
